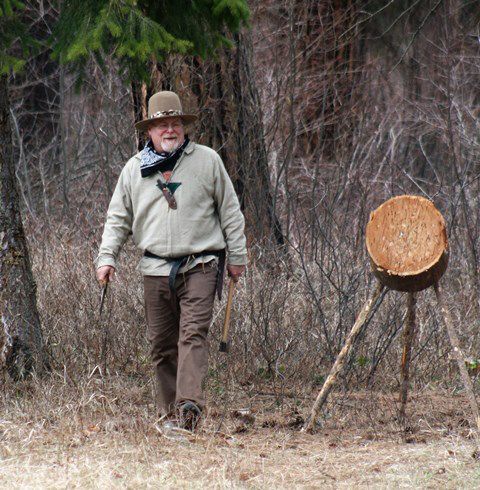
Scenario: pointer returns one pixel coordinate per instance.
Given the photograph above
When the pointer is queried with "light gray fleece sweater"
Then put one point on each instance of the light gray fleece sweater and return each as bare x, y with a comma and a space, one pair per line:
207, 217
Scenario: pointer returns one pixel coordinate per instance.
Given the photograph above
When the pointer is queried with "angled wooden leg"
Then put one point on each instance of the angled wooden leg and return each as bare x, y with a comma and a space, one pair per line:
341, 358
457, 352
408, 338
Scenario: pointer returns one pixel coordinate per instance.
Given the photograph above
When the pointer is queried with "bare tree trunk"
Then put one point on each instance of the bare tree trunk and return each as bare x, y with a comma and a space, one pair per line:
63, 145
139, 108
21, 344
254, 176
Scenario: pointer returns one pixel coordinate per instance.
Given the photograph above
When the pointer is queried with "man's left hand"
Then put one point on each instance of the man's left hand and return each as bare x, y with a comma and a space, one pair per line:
235, 271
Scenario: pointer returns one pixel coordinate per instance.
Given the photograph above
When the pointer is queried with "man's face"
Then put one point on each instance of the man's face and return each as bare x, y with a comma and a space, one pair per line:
167, 134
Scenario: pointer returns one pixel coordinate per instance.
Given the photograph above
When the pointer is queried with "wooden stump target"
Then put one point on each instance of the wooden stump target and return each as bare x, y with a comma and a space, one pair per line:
406, 239
407, 242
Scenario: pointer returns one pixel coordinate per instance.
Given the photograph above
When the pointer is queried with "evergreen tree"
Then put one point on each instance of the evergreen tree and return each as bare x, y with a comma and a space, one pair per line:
134, 31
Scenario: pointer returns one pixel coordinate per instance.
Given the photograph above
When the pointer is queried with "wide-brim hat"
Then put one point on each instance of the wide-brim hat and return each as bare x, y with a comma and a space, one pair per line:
163, 105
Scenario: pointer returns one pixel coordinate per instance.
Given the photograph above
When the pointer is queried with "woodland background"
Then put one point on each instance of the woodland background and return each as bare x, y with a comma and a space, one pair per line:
320, 111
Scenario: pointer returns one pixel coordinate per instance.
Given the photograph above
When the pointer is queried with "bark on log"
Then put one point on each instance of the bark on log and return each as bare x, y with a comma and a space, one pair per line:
341, 358
407, 242
21, 345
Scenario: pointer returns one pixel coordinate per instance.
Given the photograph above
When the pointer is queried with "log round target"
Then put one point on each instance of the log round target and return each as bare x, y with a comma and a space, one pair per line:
407, 242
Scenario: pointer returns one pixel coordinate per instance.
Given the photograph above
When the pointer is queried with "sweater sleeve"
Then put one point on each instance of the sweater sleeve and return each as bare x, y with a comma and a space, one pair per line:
232, 221
118, 224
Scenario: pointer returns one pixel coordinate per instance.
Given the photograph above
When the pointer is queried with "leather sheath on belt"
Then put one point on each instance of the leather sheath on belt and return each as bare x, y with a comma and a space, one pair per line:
162, 185
178, 262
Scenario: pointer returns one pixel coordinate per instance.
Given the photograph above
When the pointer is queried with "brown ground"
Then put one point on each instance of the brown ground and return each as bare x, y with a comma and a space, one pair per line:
105, 435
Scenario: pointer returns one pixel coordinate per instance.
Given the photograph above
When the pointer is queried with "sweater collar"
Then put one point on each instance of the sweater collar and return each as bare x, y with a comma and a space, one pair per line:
189, 148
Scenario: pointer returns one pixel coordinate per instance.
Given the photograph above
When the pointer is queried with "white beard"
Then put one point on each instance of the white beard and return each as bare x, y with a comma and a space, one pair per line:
170, 145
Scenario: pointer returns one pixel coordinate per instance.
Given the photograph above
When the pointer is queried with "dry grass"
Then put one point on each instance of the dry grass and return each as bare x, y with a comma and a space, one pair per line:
103, 433
92, 422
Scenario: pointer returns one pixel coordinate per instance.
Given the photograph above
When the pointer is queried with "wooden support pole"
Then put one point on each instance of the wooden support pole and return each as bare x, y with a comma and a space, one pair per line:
341, 358
457, 352
408, 338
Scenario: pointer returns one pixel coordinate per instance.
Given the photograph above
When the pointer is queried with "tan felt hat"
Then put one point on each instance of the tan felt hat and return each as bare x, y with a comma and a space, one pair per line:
162, 105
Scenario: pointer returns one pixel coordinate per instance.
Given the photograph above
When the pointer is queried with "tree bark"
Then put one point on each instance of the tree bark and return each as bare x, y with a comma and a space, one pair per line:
253, 184
21, 343
139, 109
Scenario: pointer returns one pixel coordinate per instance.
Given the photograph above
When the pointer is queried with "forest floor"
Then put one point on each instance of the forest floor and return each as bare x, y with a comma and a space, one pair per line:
104, 434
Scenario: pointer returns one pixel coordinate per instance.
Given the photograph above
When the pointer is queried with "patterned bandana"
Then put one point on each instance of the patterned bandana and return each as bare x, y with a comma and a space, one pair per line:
152, 161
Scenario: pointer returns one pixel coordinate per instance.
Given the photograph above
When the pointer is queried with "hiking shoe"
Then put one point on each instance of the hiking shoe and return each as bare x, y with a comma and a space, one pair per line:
189, 414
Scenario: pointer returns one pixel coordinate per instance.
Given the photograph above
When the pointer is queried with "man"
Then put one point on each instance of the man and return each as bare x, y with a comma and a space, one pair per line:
178, 202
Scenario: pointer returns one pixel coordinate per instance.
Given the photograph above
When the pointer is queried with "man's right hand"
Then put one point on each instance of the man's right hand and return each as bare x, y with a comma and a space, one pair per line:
105, 274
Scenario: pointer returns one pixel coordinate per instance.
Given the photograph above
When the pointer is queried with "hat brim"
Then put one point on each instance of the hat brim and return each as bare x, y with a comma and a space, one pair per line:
143, 125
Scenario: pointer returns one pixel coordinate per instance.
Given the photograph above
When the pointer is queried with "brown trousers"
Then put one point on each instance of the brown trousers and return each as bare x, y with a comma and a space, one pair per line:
177, 331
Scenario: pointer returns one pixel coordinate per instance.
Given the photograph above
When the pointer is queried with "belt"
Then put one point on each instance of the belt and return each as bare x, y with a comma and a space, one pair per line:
178, 262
